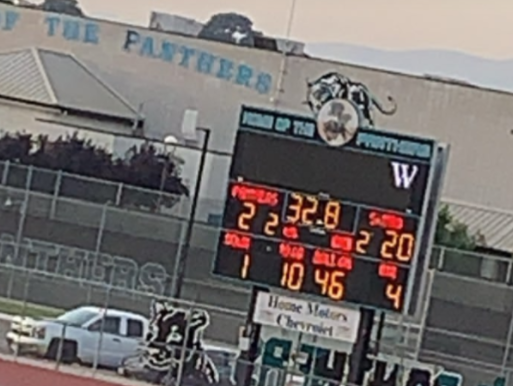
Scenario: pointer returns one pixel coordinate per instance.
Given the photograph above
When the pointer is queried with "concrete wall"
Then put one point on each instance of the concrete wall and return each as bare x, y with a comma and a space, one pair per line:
172, 73
20, 117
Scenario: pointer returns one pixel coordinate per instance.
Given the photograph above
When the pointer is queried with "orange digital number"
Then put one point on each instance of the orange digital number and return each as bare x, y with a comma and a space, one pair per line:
246, 216
331, 283
292, 276
295, 208
245, 266
271, 224
394, 293
332, 215
308, 213
398, 245
363, 239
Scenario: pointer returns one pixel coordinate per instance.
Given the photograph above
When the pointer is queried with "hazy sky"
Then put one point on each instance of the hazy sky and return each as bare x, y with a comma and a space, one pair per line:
480, 27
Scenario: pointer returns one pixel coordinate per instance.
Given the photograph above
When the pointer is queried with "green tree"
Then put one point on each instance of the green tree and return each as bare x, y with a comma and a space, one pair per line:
229, 28
68, 7
452, 233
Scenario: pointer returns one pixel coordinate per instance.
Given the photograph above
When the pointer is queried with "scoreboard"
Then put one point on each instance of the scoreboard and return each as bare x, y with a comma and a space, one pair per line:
341, 222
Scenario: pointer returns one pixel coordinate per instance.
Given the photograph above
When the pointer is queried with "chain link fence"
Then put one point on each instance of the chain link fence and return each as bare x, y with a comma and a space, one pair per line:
64, 247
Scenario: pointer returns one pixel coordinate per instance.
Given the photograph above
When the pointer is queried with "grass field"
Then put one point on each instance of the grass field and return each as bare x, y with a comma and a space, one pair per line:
16, 307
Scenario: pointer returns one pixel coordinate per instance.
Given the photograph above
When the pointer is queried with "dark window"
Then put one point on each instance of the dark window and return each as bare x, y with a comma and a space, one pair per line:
134, 329
111, 325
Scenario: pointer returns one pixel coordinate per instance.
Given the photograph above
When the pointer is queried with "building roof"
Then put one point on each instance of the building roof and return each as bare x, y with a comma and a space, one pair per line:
59, 79
496, 225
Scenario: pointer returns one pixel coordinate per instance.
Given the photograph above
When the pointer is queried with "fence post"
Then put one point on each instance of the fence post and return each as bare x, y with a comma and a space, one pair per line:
119, 194
173, 275
58, 358
97, 248
23, 213
423, 316
181, 366
5, 174
26, 293
56, 191
102, 326
23, 307
441, 259
508, 273
23, 207
399, 339
507, 347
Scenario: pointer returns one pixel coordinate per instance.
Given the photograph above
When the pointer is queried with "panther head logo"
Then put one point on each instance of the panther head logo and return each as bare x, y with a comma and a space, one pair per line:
171, 329
334, 85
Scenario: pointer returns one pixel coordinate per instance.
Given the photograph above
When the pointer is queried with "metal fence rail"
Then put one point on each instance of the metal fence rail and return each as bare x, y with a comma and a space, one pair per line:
61, 248
59, 184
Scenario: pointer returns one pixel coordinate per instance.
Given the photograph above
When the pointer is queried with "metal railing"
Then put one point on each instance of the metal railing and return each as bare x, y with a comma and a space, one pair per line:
59, 184
63, 247
219, 336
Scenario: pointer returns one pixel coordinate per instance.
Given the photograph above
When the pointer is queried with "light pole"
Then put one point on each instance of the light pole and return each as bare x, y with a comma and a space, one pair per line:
170, 140
184, 251
283, 64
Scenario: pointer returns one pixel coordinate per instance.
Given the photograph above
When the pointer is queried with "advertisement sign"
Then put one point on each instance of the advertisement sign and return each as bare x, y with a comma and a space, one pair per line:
306, 317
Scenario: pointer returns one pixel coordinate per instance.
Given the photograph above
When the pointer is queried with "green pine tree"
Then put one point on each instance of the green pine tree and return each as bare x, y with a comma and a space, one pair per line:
452, 233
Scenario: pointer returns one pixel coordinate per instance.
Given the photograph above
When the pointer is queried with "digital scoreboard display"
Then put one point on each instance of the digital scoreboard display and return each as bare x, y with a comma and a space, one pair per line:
341, 222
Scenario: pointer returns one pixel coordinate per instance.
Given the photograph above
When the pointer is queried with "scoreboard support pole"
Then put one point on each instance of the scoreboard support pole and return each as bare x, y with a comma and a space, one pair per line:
359, 362
247, 358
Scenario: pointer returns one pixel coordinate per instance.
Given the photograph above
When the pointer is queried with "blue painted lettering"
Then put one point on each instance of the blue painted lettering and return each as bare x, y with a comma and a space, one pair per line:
257, 120
392, 145
131, 38
187, 54
205, 62
168, 51
283, 124
323, 364
263, 83
244, 75
225, 69
71, 29
92, 33
53, 24
8, 20
304, 129
147, 47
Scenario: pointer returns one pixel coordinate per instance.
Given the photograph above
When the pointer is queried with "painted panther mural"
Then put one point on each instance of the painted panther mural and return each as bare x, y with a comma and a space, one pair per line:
334, 85
171, 329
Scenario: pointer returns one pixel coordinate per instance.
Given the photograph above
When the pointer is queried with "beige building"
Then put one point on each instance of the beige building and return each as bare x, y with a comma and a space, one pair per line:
165, 74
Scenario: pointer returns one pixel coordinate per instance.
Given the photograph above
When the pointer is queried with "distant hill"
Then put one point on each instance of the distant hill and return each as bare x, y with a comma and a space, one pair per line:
473, 69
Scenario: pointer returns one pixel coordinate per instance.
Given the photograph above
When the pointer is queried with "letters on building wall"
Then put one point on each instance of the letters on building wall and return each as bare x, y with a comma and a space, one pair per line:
147, 44
82, 265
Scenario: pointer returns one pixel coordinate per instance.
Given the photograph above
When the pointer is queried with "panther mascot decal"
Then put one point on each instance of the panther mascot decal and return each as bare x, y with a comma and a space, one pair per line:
172, 329
337, 86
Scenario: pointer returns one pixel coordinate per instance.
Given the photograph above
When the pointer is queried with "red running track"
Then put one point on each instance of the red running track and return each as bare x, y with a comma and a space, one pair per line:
19, 374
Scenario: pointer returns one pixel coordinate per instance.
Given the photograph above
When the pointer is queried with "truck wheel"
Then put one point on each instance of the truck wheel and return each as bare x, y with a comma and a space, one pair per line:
69, 351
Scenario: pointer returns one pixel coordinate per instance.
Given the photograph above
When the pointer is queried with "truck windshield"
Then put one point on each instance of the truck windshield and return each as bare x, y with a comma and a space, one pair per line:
77, 317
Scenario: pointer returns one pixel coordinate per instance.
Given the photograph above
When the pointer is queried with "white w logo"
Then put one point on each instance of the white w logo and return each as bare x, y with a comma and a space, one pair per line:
404, 174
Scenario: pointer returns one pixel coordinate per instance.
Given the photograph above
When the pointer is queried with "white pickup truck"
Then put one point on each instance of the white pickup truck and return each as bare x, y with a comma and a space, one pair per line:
86, 332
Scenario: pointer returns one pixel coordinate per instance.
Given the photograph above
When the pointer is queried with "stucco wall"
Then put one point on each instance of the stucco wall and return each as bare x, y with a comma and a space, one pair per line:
19, 117
171, 73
